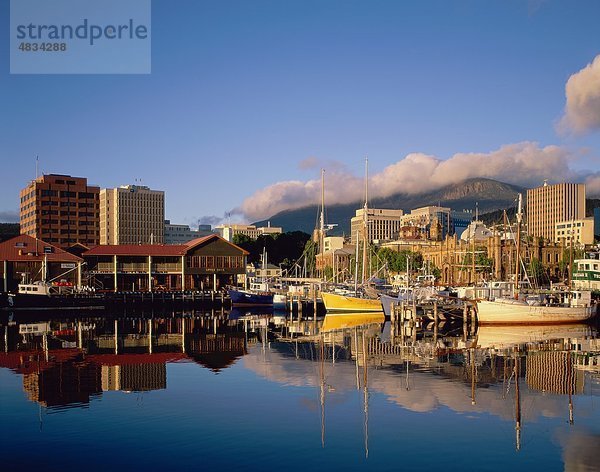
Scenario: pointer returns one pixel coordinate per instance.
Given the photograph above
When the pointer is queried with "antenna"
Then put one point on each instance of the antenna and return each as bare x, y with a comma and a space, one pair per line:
37, 161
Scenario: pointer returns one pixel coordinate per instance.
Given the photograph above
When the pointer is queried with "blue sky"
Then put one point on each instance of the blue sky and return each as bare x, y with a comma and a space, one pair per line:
242, 92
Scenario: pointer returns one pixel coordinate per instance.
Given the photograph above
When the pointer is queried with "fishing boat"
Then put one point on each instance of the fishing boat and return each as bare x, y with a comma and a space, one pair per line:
250, 298
41, 295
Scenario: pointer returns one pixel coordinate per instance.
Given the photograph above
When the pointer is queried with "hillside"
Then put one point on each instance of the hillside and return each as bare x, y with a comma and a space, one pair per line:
489, 194
8, 230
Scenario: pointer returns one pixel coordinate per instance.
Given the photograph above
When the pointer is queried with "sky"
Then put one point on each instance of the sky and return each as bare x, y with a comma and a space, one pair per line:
248, 100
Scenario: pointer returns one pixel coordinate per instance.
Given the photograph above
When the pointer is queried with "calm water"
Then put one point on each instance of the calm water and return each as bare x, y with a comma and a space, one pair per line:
216, 390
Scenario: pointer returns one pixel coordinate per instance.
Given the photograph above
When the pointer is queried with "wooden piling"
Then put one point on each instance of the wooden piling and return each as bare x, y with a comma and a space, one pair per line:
435, 321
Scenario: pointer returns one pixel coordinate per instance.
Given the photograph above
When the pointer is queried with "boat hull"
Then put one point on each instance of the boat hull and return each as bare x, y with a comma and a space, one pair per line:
500, 312
243, 298
342, 303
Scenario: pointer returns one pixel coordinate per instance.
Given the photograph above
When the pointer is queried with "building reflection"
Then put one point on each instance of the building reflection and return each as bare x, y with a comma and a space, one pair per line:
66, 363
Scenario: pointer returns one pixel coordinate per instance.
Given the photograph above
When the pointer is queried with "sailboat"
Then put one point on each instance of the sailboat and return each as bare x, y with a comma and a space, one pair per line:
335, 302
551, 307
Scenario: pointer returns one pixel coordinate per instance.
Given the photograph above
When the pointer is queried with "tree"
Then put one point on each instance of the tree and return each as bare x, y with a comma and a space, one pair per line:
397, 261
284, 250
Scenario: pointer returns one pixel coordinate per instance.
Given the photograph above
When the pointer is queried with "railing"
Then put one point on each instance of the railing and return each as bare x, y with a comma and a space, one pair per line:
109, 267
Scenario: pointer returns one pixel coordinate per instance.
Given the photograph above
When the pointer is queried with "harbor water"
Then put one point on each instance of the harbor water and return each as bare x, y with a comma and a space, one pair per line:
252, 391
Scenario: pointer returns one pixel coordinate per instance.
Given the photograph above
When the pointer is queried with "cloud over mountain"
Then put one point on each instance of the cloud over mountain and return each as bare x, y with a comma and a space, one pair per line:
524, 164
582, 110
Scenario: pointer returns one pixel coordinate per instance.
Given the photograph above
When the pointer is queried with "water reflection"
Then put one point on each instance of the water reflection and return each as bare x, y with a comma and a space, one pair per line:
522, 376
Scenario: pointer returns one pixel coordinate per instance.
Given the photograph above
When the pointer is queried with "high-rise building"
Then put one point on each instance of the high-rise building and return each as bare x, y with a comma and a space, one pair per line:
382, 225
550, 204
61, 210
132, 214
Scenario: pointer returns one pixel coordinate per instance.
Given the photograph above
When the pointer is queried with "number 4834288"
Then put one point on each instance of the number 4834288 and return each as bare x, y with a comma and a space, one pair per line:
47, 47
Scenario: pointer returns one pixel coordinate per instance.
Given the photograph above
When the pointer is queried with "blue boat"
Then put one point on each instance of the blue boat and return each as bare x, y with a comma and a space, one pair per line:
247, 298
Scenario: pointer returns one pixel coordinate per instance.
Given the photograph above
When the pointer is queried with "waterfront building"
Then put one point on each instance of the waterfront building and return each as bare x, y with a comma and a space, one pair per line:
208, 263
27, 259
61, 210
453, 257
550, 204
228, 232
180, 234
382, 225
132, 214
579, 232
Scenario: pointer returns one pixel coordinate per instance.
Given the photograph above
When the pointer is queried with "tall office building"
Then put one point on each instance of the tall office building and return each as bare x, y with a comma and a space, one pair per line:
550, 204
61, 210
382, 225
132, 214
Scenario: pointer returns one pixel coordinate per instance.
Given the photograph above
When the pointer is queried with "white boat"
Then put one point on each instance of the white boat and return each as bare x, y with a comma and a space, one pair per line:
552, 308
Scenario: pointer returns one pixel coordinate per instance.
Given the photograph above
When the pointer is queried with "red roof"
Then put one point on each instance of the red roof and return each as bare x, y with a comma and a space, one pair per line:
137, 250
26, 248
154, 249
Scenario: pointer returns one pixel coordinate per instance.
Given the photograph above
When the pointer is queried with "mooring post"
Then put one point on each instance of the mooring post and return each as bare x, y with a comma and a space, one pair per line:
435, 321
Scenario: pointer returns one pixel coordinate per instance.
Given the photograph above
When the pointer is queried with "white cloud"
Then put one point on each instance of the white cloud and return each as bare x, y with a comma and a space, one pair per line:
525, 164
592, 185
582, 110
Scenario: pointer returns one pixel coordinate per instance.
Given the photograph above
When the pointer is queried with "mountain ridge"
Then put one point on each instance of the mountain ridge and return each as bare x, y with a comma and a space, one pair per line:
487, 194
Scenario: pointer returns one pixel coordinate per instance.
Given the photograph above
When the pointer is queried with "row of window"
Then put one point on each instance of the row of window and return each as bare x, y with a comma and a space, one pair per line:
215, 262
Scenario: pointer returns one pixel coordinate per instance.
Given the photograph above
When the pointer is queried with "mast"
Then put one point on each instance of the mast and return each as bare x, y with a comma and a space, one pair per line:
518, 244
322, 217
365, 220
570, 280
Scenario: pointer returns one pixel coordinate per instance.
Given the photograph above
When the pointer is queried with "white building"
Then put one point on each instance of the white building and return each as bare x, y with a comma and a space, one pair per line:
180, 234
382, 225
581, 232
227, 232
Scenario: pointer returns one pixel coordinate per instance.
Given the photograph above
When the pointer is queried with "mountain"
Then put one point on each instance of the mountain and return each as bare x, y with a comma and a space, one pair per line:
489, 194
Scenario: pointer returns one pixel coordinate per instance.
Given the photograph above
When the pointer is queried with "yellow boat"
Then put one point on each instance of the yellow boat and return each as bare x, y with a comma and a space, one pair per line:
339, 321
343, 303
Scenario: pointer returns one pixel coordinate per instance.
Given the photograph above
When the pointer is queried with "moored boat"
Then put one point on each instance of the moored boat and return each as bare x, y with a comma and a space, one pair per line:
248, 298
576, 306
345, 303
45, 296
